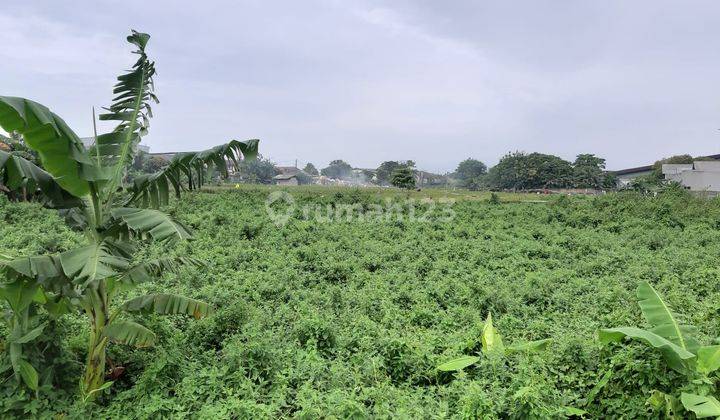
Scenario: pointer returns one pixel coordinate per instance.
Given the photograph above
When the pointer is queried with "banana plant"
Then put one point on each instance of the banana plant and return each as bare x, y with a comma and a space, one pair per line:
88, 184
21, 178
681, 351
492, 345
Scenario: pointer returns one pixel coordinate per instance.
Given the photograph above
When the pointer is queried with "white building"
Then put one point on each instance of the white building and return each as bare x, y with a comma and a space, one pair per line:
697, 176
672, 171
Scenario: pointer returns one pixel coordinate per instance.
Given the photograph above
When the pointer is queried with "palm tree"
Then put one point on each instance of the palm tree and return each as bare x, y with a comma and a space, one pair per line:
87, 184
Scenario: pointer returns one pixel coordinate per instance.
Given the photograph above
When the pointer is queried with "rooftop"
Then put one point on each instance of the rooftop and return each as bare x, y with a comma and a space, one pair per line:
648, 168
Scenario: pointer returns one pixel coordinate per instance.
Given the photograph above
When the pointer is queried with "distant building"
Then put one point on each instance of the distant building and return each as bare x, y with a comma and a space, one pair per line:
626, 176
697, 176
89, 142
701, 175
286, 179
429, 179
289, 175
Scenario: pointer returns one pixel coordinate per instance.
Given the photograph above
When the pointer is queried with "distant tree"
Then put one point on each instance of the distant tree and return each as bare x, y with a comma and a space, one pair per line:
146, 163
403, 177
337, 169
645, 183
154, 164
370, 176
258, 171
310, 169
588, 171
609, 181
518, 171
657, 166
139, 161
386, 169
470, 172
508, 173
304, 178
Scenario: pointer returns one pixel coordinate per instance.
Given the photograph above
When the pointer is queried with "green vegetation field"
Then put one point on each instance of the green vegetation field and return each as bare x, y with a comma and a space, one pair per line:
349, 319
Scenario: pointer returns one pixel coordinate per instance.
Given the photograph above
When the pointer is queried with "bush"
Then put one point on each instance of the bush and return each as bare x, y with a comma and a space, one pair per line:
351, 319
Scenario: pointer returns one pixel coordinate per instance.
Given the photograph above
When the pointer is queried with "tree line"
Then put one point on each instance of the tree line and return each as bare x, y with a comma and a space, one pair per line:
397, 173
515, 171
528, 171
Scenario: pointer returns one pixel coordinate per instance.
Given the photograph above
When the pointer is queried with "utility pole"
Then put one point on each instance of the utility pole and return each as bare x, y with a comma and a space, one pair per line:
295, 163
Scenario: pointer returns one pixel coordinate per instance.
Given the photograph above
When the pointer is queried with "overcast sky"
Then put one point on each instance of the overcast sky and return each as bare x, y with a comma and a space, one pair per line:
367, 81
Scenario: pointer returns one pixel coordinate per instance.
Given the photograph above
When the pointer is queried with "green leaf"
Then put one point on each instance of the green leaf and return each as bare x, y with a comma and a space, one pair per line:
491, 339
19, 294
702, 406
28, 374
30, 336
458, 364
132, 108
138, 38
102, 387
56, 306
708, 359
598, 386
662, 320
158, 225
41, 269
20, 175
663, 402
15, 351
573, 411
674, 355
130, 333
168, 304
154, 190
60, 149
93, 262
148, 270
530, 346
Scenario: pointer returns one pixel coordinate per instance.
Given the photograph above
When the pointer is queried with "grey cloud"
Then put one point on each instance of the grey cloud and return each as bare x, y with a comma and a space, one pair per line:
368, 81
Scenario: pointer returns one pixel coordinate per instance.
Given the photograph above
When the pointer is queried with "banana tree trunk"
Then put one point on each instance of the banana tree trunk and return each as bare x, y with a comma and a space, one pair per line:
94, 376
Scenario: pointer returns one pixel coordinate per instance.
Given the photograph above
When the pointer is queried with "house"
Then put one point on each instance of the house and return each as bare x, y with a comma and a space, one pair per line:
697, 176
701, 175
289, 175
286, 179
626, 176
